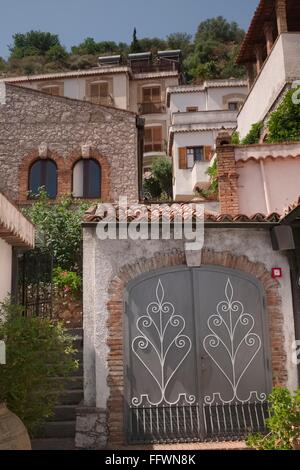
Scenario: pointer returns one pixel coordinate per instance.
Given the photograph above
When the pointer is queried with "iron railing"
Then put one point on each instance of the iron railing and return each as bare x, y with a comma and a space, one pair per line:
152, 108
186, 423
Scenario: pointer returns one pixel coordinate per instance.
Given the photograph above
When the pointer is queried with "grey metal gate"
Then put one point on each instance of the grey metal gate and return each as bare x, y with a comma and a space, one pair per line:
197, 356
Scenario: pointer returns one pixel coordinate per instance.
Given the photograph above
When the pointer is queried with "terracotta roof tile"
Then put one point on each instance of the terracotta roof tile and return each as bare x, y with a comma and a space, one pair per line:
157, 212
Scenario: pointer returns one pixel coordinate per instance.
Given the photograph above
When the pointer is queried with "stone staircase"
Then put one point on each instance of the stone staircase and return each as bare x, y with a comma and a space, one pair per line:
58, 433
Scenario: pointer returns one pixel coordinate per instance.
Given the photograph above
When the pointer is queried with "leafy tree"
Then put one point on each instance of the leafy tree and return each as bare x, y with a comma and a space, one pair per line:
182, 41
135, 46
3, 65
152, 44
59, 225
159, 183
32, 43
56, 53
39, 354
215, 49
284, 123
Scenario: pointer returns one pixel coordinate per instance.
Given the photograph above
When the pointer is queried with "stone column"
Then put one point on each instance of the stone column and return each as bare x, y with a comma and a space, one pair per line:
227, 175
251, 73
259, 57
268, 30
281, 16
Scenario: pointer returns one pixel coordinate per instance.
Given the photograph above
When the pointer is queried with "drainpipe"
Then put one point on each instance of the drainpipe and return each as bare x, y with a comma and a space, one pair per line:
140, 124
265, 185
286, 239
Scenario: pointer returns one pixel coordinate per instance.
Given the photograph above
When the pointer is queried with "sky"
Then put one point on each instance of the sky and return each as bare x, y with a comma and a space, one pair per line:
74, 20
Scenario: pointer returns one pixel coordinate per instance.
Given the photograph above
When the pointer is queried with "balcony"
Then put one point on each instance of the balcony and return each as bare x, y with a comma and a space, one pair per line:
141, 67
151, 108
205, 118
103, 100
153, 147
280, 68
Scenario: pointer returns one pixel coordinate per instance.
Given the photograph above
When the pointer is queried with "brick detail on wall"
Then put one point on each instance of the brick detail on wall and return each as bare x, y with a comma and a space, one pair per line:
115, 406
105, 170
64, 172
227, 180
24, 168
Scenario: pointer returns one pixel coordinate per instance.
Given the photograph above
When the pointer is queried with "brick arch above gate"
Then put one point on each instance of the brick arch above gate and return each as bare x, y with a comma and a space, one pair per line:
115, 308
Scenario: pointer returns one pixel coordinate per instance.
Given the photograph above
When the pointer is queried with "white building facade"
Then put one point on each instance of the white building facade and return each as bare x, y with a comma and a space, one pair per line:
197, 115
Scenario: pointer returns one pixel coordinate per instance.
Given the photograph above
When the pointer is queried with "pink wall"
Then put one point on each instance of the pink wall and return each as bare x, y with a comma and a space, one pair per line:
268, 184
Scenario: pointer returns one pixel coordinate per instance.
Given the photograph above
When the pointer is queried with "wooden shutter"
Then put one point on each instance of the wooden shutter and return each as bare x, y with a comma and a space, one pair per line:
104, 90
146, 95
95, 90
207, 152
182, 158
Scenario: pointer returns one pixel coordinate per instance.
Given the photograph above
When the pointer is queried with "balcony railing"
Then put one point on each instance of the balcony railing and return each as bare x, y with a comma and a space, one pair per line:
103, 100
140, 67
153, 147
152, 108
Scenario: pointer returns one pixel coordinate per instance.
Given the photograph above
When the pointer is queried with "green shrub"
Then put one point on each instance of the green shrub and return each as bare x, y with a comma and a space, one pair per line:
68, 281
235, 138
283, 424
253, 135
59, 227
159, 184
284, 123
38, 352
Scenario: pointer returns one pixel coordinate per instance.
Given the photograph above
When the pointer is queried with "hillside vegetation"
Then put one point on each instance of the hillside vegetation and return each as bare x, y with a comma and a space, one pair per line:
210, 54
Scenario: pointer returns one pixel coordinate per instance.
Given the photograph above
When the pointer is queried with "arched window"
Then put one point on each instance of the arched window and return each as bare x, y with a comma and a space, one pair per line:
43, 173
87, 179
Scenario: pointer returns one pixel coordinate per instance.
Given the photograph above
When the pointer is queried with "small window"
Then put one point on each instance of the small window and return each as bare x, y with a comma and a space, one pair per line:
87, 179
151, 94
99, 92
43, 173
192, 109
51, 90
233, 106
194, 154
153, 139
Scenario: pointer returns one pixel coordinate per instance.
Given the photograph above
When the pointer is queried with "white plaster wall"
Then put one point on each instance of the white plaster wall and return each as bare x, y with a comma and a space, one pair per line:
104, 259
216, 96
181, 101
267, 190
5, 269
183, 179
281, 67
76, 88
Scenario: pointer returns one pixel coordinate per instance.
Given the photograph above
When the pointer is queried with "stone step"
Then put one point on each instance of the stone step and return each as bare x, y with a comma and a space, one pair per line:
57, 429
64, 413
72, 383
76, 332
71, 397
53, 444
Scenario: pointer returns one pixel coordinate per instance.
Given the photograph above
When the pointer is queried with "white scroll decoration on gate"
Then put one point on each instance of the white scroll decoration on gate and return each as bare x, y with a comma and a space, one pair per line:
232, 342
161, 336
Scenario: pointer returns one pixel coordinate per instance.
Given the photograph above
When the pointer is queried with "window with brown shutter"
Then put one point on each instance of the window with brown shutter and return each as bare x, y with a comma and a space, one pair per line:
192, 109
51, 90
182, 154
153, 139
99, 92
207, 152
151, 94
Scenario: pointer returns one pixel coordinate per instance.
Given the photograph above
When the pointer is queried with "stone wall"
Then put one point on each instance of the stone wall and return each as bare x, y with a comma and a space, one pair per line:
34, 124
110, 265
